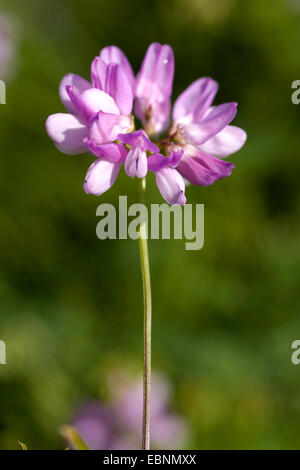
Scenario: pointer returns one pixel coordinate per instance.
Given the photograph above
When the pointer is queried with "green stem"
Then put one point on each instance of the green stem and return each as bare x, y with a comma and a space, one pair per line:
144, 258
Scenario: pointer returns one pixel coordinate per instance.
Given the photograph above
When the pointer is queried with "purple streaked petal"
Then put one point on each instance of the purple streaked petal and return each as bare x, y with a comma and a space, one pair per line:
195, 100
171, 186
98, 73
140, 137
228, 141
67, 132
105, 128
136, 162
78, 83
115, 153
202, 169
176, 155
101, 176
118, 86
113, 54
214, 122
157, 162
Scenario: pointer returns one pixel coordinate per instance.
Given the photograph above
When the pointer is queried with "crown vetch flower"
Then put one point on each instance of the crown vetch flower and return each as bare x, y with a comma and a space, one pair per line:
117, 425
100, 122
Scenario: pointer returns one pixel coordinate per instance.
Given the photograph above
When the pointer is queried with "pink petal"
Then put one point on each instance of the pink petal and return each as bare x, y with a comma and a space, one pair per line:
98, 73
202, 169
157, 162
78, 83
146, 77
118, 86
138, 138
67, 132
100, 177
104, 127
115, 153
194, 101
97, 100
112, 54
155, 79
154, 87
160, 114
165, 70
228, 141
91, 101
214, 122
171, 186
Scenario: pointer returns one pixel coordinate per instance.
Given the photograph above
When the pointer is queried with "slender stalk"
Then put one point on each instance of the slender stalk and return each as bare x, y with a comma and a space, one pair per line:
144, 258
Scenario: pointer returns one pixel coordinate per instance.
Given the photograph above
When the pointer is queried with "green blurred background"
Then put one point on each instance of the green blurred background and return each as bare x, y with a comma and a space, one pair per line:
71, 305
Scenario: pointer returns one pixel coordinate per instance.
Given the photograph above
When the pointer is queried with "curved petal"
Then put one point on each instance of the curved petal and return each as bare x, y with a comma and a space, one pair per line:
115, 153
113, 54
171, 186
228, 141
105, 128
118, 86
157, 162
202, 169
100, 177
214, 122
67, 132
195, 100
79, 84
98, 73
91, 101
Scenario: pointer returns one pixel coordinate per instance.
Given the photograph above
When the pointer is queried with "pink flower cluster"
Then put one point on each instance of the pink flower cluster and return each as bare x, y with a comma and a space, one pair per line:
117, 426
101, 121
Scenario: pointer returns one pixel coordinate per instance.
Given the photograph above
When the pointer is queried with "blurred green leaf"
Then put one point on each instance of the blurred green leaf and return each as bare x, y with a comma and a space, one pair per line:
72, 436
23, 446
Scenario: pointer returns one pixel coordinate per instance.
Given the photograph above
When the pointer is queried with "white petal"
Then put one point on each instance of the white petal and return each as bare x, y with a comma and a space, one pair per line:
171, 186
67, 132
97, 100
101, 176
136, 163
228, 141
